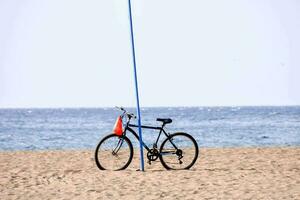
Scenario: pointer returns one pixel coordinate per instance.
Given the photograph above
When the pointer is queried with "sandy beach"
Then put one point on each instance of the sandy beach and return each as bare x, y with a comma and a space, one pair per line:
222, 173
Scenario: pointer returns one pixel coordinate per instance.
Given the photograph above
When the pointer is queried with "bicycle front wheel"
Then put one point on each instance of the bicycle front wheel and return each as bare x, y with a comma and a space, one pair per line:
179, 151
113, 153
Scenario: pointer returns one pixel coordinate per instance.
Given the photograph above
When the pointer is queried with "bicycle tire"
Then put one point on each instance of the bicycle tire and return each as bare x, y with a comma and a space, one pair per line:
110, 152
167, 150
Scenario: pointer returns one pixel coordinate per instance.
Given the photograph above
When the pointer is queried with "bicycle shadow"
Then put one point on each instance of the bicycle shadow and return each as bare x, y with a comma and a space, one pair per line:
163, 170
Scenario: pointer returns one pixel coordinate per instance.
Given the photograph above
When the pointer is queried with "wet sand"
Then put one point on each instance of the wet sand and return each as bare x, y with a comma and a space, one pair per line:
220, 173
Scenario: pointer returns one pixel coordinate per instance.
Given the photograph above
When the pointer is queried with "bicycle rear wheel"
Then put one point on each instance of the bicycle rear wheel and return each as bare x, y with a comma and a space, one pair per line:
179, 151
113, 153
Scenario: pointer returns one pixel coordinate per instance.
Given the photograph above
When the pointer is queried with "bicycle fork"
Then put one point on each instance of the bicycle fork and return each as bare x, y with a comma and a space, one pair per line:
115, 151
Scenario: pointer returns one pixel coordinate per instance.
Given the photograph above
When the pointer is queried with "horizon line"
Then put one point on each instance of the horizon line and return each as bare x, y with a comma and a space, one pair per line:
96, 107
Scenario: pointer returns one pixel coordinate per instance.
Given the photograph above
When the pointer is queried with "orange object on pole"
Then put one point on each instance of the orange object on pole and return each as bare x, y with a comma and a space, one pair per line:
118, 127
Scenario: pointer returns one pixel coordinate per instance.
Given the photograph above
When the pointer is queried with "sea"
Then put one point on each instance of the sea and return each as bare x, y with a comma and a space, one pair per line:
83, 128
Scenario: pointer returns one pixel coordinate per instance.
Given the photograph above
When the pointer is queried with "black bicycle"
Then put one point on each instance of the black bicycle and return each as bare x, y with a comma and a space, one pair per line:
177, 150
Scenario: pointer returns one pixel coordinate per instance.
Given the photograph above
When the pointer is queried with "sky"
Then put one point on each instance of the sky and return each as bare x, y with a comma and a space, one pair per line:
76, 53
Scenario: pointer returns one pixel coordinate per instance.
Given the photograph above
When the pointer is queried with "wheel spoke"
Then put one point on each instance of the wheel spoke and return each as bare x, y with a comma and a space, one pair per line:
114, 153
179, 152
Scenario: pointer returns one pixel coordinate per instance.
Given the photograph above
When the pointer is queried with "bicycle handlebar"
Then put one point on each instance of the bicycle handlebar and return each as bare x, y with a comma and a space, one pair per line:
129, 115
120, 108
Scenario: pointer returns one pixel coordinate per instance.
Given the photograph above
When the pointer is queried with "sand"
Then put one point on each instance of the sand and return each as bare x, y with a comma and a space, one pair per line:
224, 173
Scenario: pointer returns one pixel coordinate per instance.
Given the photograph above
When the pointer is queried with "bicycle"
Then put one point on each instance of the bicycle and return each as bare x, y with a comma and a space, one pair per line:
177, 151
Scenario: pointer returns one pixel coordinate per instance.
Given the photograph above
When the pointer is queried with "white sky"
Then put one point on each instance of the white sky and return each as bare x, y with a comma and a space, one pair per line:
74, 53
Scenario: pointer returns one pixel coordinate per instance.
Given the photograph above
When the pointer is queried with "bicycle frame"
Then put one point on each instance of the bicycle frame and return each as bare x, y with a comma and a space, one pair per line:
161, 130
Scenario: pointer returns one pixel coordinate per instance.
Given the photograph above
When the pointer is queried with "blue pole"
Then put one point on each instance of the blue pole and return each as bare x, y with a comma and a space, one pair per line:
136, 89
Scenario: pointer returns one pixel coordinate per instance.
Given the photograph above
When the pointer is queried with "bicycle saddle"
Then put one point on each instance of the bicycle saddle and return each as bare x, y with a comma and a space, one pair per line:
164, 120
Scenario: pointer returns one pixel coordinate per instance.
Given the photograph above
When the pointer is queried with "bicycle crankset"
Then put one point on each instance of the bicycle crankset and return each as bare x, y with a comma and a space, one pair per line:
152, 155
